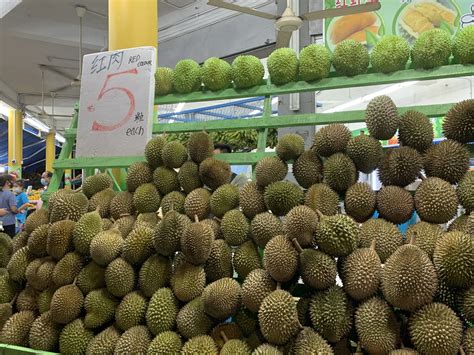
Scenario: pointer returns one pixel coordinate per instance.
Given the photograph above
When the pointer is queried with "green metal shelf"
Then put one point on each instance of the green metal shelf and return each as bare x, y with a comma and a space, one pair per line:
334, 81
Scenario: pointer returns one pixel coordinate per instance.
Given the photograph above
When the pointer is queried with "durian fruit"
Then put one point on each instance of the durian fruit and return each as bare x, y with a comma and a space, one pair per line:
214, 173
138, 245
148, 220
365, 151
290, 146
436, 200
246, 258
415, 130
395, 204
188, 281
257, 285
453, 258
318, 270
361, 273
235, 227
224, 199
278, 317
267, 349
336, 235
409, 278
465, 191
44, 300
219, 263
154, 274
107, 224
425, 236
435, 329
173, 201
467, 304
37, 218
223, 332
202, 344
300, 224
377, 326
251, 200
131, 311
264, 227
283, 66
198, 203
350, 58
448, 160
339, 172
200, 146
222, 298
165, 180
91, 277
119, 277
196, 242
59, 240
165, 343
174, 154
192, 321
125, 224
38, 240
17, 328
468, 340
331, 139
247, 71
386, 235
100, 308
66, 304
457, 124
8, 288
390, 54
246, 321
167, 234
134, 341
269, 170
6, 311
138, 174
153, 151
331, 313
163, 81
432, 49
320, 197
67, 269
462, 45
315, 63
18, 263
74, 338
381, 117
44, 333
280, 258
235, 346
71, 205
162, 311
106, 246
310, 342
39, 273
460, 223
216, 74
104, 342
281, 196
26, 300
360, 201
85, 230
101, 202
188, 177
400, 166
19, 241
187, 76
308, 169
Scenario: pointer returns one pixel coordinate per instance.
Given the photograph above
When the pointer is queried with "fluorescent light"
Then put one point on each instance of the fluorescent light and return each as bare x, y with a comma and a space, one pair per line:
180, 107
8, 5
59, 138
388, 90
5, 109
33, 122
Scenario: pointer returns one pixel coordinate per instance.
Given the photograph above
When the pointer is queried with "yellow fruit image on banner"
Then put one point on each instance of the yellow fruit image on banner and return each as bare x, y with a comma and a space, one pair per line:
353, 27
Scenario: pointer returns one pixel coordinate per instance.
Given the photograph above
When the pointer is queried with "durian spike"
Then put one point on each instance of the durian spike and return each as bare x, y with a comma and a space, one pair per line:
297, 245
196, 218
372, 244
461, 351
224, 336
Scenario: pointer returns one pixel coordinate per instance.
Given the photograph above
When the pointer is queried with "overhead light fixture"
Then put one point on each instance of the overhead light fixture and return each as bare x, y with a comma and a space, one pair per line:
35, 123
5, 109
384, 91
59, 138
8, 5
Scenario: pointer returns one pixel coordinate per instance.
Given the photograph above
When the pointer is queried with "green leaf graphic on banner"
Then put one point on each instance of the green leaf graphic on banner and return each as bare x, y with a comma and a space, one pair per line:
372, 39
446, 27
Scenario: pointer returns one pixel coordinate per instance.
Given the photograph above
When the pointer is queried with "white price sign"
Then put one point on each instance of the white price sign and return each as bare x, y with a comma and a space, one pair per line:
116, 102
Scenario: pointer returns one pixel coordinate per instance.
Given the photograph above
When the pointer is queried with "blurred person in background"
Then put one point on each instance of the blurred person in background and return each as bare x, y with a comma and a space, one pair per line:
8, 208
22, 203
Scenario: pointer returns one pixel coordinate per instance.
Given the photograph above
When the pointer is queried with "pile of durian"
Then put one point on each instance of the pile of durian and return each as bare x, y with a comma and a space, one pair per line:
184, 262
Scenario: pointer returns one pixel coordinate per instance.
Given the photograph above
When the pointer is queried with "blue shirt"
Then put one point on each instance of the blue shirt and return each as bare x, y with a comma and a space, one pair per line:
7, 201
21, 199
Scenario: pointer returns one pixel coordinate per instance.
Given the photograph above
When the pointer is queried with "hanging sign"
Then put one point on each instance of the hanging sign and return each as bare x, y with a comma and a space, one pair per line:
116, 102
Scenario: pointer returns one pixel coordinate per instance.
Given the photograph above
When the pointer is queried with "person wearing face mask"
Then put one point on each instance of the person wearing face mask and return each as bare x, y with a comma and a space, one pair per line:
46, 178
8, 208
22, 203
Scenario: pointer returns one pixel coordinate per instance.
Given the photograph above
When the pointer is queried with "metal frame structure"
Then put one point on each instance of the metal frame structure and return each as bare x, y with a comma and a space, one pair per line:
261, 123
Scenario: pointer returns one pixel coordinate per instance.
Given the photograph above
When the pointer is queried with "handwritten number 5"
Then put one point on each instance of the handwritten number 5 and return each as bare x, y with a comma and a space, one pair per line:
96, 126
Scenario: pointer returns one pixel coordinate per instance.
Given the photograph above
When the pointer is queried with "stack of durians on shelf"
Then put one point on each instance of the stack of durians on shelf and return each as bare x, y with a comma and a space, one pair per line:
432, 49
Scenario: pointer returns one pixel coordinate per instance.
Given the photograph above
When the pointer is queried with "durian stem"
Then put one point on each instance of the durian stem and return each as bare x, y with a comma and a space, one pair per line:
320, 215
124, 215
218, 219
413, 238
300, 325
196, 218
12, 302
97, 209
278, 286
372, 244
297, 245
224, 336
172, 206
461, 351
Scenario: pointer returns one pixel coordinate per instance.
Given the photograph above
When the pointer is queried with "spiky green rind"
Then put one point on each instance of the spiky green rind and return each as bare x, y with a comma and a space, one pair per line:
463, 50
153, 151
465, 191
415, 130
166, 180
283, 66
331, 139
308, 169
339, 172
390, 54
458, 123
448, 160
337, 235
281, 196
187, 76
315, 62
247, 71
381, 117
366, 152
400, 167
96, 183
350, 58
216, 74
163, 81
224, 199
162, 311
432, 49
320, 197
436, 201
166, 343
270, 170
290, 146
